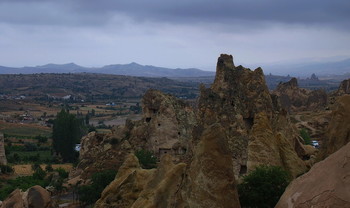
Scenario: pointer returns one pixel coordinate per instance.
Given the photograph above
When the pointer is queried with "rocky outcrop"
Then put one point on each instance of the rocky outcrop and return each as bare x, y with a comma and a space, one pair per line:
338, 131
294, 99
34, 197
240, 102
344, 88
165, 128
136, 187
327, 184
100, 152
200, 184
210, 180
3, 160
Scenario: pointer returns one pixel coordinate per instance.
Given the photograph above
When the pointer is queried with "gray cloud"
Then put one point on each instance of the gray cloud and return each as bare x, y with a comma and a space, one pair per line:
333, 13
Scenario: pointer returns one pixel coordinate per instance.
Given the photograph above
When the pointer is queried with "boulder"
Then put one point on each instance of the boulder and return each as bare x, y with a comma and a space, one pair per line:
34, 197
327, 184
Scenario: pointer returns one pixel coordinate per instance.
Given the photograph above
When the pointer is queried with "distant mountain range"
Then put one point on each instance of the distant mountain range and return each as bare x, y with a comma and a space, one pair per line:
132, 69
306, 69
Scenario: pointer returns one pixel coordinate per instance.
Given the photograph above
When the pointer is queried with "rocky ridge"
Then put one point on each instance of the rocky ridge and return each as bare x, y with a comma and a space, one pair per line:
295, 99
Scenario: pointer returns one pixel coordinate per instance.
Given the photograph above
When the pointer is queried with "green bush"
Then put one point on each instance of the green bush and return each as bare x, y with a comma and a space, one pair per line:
89, 194
62, 172
305, 135
263, 187
146, 158
4, 169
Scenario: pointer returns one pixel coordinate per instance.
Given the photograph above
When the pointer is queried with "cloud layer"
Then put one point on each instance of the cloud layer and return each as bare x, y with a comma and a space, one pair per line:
182, 33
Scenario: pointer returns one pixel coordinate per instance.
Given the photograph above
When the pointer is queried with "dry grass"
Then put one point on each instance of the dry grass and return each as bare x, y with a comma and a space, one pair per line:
26, 169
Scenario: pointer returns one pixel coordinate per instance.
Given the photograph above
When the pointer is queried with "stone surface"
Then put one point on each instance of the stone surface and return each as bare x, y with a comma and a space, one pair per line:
211, 180
327, 184
238, 100
138, 188
34, 197
3, 160
338, 131
344, 88
294, 99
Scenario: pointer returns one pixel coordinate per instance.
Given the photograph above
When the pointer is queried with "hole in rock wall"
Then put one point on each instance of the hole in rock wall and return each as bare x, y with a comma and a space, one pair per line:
243, 170
249, 122
148, 119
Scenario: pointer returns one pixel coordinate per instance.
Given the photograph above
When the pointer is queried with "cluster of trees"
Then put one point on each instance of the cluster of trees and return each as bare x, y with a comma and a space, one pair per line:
67, 131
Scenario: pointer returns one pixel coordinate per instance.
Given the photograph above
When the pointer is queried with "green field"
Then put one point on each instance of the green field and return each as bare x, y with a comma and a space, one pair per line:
24, 130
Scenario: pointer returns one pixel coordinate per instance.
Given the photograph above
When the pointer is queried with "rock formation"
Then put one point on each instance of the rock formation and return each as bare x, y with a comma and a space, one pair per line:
166, 128
241, 103
327, 184
34, 197
294, 98
3, 160
200, 184
338, 131
344, 88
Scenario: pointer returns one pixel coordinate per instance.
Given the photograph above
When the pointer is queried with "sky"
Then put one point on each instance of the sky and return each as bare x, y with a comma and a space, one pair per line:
172, 33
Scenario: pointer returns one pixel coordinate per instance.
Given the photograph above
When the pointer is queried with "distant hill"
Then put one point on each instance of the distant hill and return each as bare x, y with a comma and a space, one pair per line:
132, 69
306, 69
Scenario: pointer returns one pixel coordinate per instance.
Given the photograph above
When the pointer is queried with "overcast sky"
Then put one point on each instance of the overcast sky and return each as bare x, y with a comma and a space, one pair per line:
179, 33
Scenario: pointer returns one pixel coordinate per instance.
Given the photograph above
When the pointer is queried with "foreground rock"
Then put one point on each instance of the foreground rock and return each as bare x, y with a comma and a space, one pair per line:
34, 197
338, 132
327, 184
295, 99
207, 182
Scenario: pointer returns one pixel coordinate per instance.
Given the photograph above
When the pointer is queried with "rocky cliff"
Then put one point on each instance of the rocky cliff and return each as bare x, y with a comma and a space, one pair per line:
240, 102
338, 131
327, 184
344, 88
295, 99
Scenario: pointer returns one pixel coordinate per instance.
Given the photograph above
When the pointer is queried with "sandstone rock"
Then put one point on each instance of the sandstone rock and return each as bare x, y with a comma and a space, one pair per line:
138, 188
327, 184
295, 99
34, 197
338, 132
344, 88
211, 181
238, 100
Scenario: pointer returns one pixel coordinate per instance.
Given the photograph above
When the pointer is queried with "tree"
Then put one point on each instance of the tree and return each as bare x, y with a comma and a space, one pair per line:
146, 159
66, 133
263, 187
305, 135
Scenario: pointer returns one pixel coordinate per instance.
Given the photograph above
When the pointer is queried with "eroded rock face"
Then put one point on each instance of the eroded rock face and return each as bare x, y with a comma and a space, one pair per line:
295, 99
240, 102
344, 88
207, 182
101, 152
165, 128
211, 181
338, 131
327, 184
138, 188
34, 197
